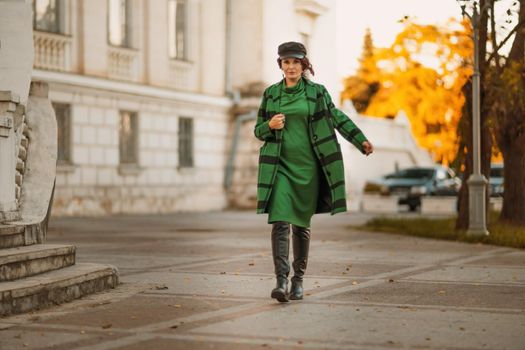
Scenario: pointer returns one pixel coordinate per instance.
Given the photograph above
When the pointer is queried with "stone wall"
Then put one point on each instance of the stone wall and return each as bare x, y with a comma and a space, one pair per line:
96, 184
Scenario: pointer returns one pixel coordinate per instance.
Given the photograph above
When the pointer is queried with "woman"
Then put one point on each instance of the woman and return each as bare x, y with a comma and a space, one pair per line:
300, 163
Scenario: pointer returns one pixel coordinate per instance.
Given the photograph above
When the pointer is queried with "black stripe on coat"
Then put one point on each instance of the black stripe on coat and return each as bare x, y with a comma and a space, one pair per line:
342, 123
337, 184
274, 141
331, 158
264, 185
326, 139
354, 132
318, 115
268, 159
261, 204
339, 203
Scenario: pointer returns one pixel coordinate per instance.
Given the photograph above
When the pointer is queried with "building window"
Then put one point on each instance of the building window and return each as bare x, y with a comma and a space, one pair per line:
46, 15
119, 23
128, 138
63, 116
185, 142
177, 29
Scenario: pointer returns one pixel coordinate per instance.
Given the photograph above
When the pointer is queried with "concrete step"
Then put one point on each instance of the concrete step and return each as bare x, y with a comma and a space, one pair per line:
55, 287
31, 260
11, 236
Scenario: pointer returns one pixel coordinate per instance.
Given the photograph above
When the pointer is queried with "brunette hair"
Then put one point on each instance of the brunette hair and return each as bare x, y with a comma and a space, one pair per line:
305, 64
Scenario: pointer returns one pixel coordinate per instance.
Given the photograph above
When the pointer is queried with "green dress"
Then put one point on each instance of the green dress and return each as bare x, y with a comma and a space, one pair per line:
296, 188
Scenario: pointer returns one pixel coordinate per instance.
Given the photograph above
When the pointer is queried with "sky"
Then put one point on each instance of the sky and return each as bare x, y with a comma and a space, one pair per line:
381, 16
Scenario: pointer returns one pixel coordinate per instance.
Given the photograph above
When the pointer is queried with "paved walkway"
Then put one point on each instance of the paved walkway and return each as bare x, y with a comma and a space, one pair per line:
201, 281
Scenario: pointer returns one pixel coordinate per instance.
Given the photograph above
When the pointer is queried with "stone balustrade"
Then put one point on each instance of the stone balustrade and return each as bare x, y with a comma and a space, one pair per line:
123, 63
52, 51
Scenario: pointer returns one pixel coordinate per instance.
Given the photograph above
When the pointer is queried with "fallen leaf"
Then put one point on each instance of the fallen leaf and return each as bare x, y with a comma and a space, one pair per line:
175, 326
461, 328
354, 282
390, 280
161, 287
107, 325
251, 264
177, 305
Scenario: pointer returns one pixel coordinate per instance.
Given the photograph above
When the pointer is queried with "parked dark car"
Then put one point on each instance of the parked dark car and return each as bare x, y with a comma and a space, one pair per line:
411, 184
496, 180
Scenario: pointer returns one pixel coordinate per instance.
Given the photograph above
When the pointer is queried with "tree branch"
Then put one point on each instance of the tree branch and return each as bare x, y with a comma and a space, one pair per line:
515, 29
493, 33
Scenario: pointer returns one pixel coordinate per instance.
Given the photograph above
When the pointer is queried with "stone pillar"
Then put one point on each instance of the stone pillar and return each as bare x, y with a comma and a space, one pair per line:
8, 204
16, 47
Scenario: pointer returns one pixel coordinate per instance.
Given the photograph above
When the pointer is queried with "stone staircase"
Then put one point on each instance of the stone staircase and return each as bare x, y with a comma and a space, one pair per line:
34, 275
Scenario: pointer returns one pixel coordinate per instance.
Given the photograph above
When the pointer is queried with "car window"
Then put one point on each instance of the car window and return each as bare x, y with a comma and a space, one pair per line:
496, 172
413, 173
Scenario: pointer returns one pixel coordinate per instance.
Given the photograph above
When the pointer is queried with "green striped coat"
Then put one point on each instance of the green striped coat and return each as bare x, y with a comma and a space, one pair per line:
323, 118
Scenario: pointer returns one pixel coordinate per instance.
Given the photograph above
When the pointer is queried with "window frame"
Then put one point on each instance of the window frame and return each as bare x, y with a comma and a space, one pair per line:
68, 144
186, 144
127, 41
60, 12
173, 36
134, 126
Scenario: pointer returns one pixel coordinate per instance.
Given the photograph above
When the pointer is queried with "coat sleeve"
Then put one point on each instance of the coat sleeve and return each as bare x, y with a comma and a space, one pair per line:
344, 125
262, 128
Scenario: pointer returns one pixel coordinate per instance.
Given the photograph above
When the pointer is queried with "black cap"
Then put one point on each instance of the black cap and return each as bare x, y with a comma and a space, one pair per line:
291, 49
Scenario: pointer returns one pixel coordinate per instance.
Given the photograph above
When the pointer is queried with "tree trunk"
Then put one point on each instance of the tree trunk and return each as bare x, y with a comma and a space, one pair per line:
513, 210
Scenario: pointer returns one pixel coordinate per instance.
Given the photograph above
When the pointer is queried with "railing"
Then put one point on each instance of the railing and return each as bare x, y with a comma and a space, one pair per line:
52, 51
182, 75
123, 63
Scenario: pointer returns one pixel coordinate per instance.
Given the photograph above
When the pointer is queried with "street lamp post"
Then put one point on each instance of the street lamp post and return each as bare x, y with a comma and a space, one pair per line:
477, 182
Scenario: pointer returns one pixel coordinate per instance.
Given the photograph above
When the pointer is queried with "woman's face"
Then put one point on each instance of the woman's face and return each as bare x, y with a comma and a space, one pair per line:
291, 68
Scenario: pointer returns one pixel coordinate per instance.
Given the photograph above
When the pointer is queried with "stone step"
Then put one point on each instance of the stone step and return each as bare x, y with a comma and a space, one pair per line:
11, 236
55, 287
31, 260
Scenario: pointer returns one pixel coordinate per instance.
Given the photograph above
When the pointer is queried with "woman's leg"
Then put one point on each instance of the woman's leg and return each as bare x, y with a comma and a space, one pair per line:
280, 249
301, 244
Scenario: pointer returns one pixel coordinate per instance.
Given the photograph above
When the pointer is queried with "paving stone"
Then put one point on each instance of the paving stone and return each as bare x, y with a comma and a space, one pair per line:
39, 339
140, 310
182, 344
373, 326
473, 274
508, 259
221, 284
443, 294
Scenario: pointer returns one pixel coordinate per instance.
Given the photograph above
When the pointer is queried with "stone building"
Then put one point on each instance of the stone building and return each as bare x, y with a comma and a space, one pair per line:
146, 92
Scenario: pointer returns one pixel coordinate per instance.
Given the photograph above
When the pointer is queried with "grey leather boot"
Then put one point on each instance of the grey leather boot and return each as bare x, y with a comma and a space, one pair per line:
301, 245
280, 250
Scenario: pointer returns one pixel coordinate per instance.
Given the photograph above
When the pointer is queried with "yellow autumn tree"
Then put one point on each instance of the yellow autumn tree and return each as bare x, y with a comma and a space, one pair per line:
422, 73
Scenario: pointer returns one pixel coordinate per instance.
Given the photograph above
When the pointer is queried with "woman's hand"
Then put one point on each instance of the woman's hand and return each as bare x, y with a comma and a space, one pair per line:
277, 121
368, 148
